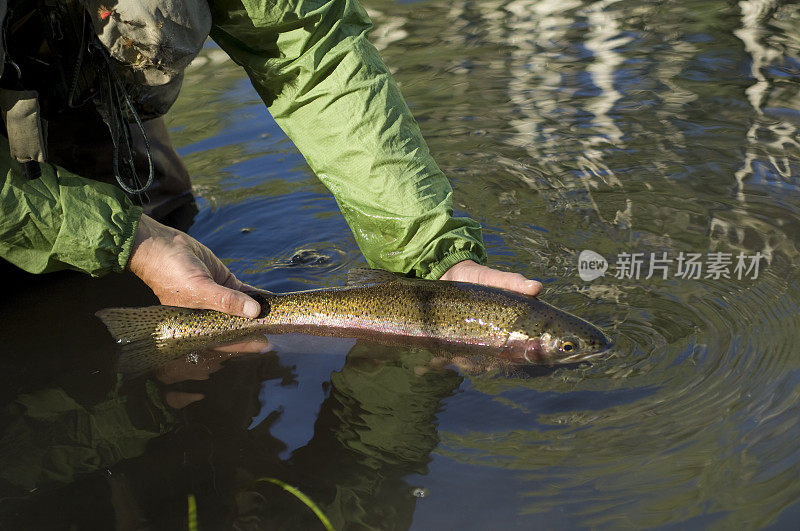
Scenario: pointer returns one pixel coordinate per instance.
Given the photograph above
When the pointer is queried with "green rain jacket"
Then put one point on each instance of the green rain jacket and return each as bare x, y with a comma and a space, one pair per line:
327, 87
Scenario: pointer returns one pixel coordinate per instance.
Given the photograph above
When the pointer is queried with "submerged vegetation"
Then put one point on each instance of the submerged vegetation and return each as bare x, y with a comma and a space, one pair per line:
303, 498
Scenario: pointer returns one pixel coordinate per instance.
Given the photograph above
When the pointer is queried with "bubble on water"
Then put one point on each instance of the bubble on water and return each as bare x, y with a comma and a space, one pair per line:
419, 492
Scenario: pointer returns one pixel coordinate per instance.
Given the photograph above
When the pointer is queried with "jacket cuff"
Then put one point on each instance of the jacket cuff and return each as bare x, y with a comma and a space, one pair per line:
127, 238
440, 268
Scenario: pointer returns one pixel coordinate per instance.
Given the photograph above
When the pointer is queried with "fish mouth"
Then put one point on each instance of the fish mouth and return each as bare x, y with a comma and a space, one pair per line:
543, 351
537, 352
580, 357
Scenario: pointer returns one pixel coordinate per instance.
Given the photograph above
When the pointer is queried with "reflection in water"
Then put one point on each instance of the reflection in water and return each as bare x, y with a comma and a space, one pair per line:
774, 129
375, 424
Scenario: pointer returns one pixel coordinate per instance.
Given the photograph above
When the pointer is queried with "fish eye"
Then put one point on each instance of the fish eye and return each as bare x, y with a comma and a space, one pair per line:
567, 346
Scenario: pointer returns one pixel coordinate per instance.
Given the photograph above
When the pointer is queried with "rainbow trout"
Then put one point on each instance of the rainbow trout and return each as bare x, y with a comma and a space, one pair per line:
380, 306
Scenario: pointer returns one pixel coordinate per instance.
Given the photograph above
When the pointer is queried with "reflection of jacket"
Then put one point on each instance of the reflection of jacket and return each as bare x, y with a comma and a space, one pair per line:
328, 89
49, 438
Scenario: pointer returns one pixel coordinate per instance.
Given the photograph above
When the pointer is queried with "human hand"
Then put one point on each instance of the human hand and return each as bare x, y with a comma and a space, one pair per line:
469, 271
183, 272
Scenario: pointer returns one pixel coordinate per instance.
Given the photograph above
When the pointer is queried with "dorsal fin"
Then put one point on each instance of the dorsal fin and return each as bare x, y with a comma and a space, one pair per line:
361, 276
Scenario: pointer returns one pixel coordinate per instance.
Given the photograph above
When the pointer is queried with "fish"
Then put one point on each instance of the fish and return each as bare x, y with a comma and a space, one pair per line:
380, 306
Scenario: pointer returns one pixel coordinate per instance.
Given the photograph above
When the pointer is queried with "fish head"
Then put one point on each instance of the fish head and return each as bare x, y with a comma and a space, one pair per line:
556, 337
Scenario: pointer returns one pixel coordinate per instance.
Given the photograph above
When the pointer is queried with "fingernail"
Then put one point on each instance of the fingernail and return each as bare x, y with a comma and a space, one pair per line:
251, 309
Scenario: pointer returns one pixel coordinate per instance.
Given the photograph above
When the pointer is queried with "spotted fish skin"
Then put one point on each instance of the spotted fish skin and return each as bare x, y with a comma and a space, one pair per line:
382, 306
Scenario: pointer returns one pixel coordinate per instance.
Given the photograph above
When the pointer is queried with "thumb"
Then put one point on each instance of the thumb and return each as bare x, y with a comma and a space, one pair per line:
226, 300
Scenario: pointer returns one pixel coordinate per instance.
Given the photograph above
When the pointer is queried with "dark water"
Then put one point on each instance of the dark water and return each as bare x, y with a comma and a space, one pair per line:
617, 127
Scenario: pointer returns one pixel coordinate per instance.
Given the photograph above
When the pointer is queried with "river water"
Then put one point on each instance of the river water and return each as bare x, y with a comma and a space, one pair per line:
662, 134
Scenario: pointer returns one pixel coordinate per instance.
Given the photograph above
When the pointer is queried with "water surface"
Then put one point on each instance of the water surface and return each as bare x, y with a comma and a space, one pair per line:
612, 126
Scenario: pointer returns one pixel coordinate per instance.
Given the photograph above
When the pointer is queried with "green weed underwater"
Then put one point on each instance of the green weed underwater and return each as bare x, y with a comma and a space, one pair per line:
191, 502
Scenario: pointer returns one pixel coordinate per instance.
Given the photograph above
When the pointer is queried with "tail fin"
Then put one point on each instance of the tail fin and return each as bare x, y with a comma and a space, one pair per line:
134, 324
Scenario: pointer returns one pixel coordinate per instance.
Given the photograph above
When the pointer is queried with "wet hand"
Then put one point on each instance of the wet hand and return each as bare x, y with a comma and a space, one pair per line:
469, 271
183, 272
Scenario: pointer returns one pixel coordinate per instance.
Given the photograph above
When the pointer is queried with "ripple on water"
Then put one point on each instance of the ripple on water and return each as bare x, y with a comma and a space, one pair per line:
321, 265
700, 392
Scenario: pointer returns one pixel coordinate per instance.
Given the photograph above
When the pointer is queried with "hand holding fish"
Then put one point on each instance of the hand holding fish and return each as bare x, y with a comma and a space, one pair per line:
382, 307
183, 272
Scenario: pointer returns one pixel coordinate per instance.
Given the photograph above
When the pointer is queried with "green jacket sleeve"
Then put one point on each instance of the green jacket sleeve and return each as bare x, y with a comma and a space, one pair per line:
329, 90
63, 221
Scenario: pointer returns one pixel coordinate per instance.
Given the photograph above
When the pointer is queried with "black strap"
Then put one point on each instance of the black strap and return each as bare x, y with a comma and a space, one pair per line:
119, 107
